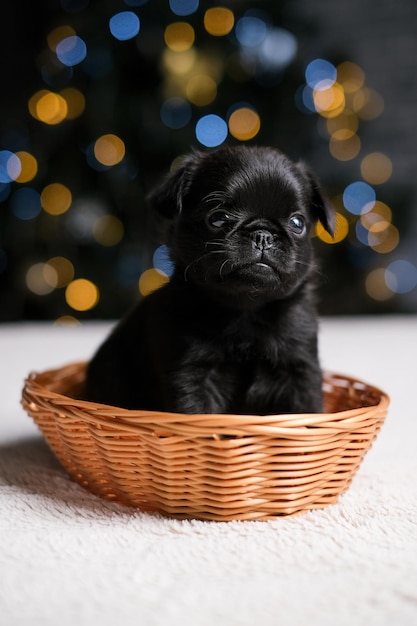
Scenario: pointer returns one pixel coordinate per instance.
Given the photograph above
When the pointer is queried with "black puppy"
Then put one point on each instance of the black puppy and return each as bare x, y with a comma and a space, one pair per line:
235, 329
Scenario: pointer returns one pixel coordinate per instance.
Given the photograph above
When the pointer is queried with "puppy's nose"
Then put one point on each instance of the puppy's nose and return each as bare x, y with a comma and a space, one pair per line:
262, 239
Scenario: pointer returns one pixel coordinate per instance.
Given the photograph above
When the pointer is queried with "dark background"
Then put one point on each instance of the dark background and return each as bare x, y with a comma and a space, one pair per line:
125, 84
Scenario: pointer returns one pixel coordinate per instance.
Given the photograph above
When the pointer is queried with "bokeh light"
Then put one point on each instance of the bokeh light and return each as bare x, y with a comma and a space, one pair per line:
401, 276
344, 145
329, 101
367, 103
56, 199
179, 63
250, 31
29, 167
109, 150
244, 123
162, 261
211, 130
151, 280
350, 76
48, 107
41, 279
25, 203
71, 50
179, 36
359, 197
124, 25
10, 166
176, 112
64, 270
58, 34
340, 233
184, 7
346, 121
320, 74
219, 21
201, 90
82, 294
376, 168
376, 286
108, 230
75, 101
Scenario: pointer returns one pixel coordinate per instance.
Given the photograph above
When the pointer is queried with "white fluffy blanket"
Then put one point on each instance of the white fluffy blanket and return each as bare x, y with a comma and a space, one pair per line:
67, 557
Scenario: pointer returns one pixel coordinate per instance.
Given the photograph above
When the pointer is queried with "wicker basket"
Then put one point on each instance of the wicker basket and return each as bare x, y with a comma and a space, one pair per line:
214, 467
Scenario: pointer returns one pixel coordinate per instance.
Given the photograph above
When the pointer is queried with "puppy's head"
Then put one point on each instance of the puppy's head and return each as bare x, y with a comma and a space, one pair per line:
241, 220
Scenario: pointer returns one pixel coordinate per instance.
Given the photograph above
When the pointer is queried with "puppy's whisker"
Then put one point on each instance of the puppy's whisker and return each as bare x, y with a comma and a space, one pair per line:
222, 266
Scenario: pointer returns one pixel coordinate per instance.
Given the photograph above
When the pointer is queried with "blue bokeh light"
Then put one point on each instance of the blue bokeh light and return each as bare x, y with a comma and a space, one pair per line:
25, 203
362, 233
401, 276
176, 113
320, 74
277, 50
250, 31
10, 166
211, 130
71, 50
359, 198
183, 7
162, 262
124, 25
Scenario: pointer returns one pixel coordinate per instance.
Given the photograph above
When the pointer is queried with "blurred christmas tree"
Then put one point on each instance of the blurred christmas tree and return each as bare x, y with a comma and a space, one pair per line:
103, 96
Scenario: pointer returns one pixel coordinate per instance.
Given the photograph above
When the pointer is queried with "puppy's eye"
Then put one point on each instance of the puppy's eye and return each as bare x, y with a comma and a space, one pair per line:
297, 224
218, 219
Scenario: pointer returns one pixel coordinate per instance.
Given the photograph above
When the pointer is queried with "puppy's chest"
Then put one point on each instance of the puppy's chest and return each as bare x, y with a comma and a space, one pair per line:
247, 339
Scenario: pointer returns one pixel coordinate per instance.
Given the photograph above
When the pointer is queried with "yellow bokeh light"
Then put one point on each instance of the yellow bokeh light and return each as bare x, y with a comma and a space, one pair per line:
376, 168
75, 102
344, 149
380, 212
64, 270
347, 120
29, 167
384, 241
219, 21
81, 294
67, 320
341, 230
179, 63
108, 230
350, 76
151, 280
48, 107
58, 34
41, 279
376, 286
56, 199
201, 90
244, 124
367, 104
329, 102
109, 150
179, 36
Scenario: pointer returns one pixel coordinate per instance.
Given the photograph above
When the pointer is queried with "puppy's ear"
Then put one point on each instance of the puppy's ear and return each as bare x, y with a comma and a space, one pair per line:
323, 211
167, 198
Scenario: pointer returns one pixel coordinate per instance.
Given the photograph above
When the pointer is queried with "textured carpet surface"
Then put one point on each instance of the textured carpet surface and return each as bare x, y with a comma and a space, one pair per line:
67, 557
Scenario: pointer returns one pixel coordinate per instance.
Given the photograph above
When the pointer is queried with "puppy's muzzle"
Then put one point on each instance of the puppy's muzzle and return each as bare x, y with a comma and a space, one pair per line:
262, 239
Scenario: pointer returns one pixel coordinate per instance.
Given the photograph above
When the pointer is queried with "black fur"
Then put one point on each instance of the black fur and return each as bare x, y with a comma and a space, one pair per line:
235, 329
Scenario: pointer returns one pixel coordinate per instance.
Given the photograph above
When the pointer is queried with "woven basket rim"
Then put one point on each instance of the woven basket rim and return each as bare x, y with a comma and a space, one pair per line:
378, 401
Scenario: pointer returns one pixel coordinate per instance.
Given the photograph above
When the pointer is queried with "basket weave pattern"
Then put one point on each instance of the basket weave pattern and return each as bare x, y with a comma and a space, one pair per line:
215, 467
